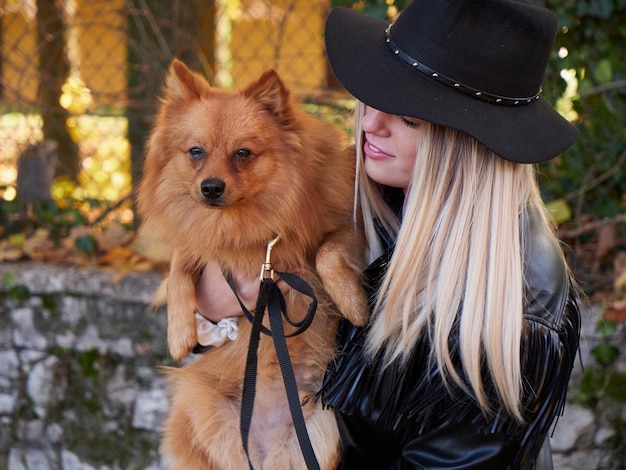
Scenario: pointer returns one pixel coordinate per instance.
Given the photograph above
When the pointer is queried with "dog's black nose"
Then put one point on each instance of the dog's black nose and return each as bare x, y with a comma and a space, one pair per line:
212, 188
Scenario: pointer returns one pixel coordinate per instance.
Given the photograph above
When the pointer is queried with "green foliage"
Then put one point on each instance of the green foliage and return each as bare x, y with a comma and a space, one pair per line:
605, 353
15, 291
601, 383
592, 174
19, 292
49, 302
591, 386
616, 388
602, 380
618, 444
89, 361
559, 210
7, 279
58, 217
87, 244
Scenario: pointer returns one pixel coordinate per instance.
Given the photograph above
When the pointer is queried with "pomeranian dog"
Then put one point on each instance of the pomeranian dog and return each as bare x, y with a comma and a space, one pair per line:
224, 174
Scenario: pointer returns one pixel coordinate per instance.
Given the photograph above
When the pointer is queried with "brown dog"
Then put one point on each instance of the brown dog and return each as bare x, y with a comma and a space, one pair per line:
225, 172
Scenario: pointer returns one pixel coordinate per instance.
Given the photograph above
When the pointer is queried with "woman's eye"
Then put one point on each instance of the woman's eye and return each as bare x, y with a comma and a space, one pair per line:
196, 152
410, 122
242, 153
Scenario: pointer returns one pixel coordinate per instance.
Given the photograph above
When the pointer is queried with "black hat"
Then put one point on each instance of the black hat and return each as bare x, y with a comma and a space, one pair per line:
474, 65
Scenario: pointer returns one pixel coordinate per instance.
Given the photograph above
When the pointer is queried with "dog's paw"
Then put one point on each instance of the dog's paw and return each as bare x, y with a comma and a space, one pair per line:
343, 280
182, 336
351, 301
180, 347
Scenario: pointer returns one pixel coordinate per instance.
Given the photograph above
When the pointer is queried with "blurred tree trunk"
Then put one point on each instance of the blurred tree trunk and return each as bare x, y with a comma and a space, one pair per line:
1, 61
158, 31
331, 80
54, 69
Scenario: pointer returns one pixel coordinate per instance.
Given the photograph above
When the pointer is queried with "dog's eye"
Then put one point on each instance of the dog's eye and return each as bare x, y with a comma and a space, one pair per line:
196, 153
242, 154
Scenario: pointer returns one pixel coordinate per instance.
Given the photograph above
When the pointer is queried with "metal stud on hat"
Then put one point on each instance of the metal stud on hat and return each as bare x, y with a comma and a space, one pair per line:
422, 68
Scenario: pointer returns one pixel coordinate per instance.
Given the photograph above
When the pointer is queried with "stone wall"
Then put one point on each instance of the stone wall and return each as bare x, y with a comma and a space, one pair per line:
591, 434
80, 387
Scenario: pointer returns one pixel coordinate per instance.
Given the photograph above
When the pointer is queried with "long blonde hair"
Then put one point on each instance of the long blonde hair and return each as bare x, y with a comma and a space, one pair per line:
457, 264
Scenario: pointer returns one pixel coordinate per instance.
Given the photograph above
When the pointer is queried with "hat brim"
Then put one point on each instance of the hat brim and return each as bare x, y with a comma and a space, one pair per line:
368, 69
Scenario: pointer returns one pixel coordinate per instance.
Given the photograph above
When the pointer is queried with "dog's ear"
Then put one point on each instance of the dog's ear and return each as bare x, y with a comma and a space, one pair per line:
182, 83
270, 91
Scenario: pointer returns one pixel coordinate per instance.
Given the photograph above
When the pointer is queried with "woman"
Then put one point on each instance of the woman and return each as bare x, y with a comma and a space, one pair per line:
475, 324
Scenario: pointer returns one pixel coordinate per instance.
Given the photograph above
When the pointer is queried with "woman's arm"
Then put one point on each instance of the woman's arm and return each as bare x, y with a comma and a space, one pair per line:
215, 299
217, 308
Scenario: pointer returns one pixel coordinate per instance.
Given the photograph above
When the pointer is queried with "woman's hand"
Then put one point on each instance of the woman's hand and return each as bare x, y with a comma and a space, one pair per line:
214, 297
216, 300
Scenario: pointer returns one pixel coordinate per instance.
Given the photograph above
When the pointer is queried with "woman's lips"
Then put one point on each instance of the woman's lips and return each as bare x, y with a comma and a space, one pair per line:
371, 151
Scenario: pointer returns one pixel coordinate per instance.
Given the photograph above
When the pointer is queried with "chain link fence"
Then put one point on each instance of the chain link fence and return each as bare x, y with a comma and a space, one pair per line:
80, 79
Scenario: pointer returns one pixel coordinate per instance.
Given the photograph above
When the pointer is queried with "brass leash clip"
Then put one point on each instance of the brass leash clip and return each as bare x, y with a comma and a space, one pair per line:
267, 272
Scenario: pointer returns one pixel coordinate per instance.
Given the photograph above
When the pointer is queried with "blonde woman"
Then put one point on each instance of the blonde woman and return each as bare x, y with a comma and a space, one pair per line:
475, 323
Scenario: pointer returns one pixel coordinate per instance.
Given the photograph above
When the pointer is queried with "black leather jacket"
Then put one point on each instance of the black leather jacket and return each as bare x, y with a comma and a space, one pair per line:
404, 417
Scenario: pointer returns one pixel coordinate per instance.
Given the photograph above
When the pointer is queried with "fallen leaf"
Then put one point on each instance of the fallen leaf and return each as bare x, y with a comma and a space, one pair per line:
115, 235
606, 241
61, 254
39, 245
616, 311
79, 231
559, 210
17, 240
8, 252
117, 255
620, 282
144, 266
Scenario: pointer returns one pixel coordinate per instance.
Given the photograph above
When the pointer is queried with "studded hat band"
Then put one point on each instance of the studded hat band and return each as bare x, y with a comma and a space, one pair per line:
481, 95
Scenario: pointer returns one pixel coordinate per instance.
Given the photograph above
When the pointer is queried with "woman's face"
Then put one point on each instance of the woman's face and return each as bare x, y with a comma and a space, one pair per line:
390, 147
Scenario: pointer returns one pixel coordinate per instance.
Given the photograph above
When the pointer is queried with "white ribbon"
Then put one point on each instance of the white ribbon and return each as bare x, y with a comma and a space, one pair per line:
216, 334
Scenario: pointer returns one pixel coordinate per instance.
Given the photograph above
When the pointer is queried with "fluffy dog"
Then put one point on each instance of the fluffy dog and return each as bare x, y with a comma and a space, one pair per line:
226, 172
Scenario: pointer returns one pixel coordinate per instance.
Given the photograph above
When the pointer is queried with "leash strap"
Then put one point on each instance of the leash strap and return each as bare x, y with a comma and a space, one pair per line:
249, 381
291, 387
271, 297
293, 281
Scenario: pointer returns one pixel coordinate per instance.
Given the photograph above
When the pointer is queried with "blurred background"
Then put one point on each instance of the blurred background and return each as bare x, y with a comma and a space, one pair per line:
86, 76
80, 81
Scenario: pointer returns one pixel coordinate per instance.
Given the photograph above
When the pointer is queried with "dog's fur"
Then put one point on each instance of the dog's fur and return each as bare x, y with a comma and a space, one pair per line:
225, 172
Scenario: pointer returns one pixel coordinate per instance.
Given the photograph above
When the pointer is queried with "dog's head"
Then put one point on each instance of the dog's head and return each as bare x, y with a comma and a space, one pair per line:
221, 146
237, 167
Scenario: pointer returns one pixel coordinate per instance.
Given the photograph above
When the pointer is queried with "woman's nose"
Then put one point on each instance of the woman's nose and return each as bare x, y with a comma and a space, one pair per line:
374, 121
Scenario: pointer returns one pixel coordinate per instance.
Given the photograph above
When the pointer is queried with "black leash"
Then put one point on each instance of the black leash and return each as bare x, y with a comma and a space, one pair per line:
271, 298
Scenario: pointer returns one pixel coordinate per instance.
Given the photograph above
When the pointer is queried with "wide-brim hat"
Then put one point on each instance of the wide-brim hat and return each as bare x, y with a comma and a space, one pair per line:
472, 65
